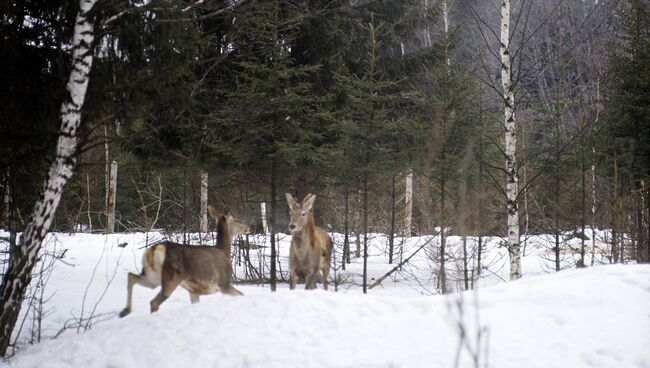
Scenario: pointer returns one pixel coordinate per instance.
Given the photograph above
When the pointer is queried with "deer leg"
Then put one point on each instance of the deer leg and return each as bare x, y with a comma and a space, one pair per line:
230, 290
194, 298
292, 280
170, 281
133, 279
325, 272
310, 280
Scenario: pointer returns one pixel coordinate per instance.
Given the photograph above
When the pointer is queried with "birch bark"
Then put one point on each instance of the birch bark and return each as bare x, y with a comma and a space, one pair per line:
19, 272
512, 176
408, 200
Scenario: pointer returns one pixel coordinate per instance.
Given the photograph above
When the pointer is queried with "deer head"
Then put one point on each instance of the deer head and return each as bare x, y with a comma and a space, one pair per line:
299, 212
235, 226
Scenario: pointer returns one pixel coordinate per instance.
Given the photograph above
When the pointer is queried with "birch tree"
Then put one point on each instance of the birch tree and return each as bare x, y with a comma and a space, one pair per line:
408, 203
512, 176
19, 272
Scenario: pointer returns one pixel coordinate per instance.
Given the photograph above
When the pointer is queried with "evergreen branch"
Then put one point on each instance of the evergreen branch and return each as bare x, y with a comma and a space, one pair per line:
202, 17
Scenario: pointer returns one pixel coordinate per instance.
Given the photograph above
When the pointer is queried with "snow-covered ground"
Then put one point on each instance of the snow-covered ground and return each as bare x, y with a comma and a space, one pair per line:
594, 317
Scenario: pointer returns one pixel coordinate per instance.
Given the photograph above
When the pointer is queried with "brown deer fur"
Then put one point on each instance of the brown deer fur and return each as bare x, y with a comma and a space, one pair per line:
201, 270
310, 253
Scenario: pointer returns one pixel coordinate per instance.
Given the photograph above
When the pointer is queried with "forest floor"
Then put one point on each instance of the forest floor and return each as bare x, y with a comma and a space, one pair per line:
593, 317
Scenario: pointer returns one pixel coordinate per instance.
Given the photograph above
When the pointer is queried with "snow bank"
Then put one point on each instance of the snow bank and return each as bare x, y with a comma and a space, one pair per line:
596, 317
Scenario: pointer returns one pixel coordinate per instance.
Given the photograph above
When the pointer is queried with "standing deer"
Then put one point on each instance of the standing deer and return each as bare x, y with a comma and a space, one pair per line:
201, 270
311, 247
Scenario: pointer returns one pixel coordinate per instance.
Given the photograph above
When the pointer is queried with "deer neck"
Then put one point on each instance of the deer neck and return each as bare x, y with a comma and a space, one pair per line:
303, 239
224, 237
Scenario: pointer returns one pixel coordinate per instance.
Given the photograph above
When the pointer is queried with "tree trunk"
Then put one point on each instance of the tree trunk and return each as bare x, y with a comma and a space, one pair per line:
365, 235
443, 237
19, 273
90, 219
465, 263
479, 206
272, 222
110, 204
638, 224
556, 192
615, 213
408, 202
357, 251
107, 175
583, 200
203, 215
6, 200
593, 204
391, 235
593, 176
346, 235
512, 176
443, 222
524, 169
646, 222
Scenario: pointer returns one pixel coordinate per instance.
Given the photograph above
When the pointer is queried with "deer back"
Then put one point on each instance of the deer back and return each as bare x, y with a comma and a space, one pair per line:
324, 245
200, 264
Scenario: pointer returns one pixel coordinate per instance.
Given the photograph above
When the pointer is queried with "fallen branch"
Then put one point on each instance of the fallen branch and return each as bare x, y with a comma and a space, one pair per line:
379, 280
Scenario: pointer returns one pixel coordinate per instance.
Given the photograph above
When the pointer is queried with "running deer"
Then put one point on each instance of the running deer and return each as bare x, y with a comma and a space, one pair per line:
311, 247
201, 270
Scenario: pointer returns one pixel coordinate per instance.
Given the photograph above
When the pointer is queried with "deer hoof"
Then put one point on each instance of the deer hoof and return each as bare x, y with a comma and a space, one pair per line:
125, 312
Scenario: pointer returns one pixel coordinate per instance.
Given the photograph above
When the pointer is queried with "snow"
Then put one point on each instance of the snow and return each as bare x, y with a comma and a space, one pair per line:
593, 317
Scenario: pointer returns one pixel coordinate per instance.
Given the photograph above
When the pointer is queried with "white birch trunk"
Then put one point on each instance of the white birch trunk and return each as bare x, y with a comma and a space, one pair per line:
111, 197
512, 178
19, 272
265, 223
408, 200
203, 218
593, 205
107, 170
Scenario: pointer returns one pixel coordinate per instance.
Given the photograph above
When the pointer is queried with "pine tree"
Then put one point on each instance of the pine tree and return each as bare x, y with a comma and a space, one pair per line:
267, 119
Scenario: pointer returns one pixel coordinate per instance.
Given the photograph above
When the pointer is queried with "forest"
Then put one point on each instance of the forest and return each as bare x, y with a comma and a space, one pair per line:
446, 118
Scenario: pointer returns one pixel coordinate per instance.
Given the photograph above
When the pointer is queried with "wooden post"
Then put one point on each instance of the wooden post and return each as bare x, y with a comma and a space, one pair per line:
110, 204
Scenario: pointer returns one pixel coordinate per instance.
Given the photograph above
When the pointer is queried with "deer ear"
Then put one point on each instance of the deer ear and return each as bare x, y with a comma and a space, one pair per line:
308, 202
290, 201
214, 212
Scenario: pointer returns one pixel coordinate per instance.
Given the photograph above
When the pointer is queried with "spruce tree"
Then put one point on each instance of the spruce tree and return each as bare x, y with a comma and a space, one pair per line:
626, 135
267, 119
